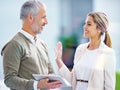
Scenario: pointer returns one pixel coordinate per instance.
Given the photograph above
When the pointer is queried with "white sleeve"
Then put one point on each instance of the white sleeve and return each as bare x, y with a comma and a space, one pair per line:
64, 72
35, 85
110, 68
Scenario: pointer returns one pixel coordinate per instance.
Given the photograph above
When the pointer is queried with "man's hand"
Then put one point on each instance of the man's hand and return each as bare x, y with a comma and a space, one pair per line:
45, 83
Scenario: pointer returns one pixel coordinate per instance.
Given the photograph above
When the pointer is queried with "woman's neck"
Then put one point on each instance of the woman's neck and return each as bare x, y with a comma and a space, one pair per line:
94, 44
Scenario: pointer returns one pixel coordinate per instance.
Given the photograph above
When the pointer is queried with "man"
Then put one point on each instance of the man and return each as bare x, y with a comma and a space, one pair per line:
25, 54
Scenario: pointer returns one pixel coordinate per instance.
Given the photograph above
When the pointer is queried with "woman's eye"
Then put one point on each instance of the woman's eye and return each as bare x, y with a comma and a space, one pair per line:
89, 24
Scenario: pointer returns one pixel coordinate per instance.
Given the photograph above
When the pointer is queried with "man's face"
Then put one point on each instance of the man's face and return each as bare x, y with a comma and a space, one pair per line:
39, 21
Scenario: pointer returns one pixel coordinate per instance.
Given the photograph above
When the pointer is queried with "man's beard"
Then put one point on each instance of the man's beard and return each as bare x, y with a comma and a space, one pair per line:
35, 28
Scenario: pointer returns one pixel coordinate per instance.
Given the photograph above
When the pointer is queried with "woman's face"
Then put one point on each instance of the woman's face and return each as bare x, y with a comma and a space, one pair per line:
90, 28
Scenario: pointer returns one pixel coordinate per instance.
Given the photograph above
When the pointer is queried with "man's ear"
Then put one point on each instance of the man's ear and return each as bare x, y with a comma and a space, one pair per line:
30, 18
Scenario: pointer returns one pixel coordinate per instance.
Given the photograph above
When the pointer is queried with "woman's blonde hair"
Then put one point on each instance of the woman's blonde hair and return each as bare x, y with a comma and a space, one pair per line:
102, 23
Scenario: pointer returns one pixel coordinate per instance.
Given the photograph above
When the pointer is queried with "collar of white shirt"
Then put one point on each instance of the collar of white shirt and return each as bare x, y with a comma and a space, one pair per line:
29, 36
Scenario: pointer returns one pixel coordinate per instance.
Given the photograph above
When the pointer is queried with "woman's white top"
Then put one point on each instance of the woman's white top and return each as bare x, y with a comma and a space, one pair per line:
84, 67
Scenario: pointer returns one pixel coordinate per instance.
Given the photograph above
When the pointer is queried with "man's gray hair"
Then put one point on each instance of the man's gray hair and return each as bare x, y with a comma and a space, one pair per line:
30, 7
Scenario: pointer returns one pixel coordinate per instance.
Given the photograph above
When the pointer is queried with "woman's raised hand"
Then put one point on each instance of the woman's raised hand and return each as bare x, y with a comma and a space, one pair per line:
58, 54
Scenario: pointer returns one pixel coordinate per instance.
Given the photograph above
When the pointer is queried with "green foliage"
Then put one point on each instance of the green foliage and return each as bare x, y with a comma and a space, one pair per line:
117, 80
69, 42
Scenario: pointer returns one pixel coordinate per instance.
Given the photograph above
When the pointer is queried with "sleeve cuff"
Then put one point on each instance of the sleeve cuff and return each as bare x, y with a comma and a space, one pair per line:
35, 85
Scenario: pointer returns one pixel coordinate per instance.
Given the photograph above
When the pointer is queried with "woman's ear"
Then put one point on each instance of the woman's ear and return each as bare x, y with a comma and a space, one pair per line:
99, 31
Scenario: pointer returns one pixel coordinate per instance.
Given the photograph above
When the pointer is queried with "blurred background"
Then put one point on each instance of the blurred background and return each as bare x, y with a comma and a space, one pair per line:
65, 24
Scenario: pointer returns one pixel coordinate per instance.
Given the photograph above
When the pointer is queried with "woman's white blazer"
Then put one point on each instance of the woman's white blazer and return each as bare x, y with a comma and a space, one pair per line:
102, 77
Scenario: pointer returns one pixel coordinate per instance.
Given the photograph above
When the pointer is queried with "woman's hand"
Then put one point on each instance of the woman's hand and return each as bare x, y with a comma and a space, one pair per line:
58, 51
58, 54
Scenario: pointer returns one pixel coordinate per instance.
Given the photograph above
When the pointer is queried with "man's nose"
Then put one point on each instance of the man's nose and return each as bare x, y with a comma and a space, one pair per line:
46, 21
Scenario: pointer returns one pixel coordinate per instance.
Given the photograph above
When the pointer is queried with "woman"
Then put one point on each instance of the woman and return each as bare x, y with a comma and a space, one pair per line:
94, 62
